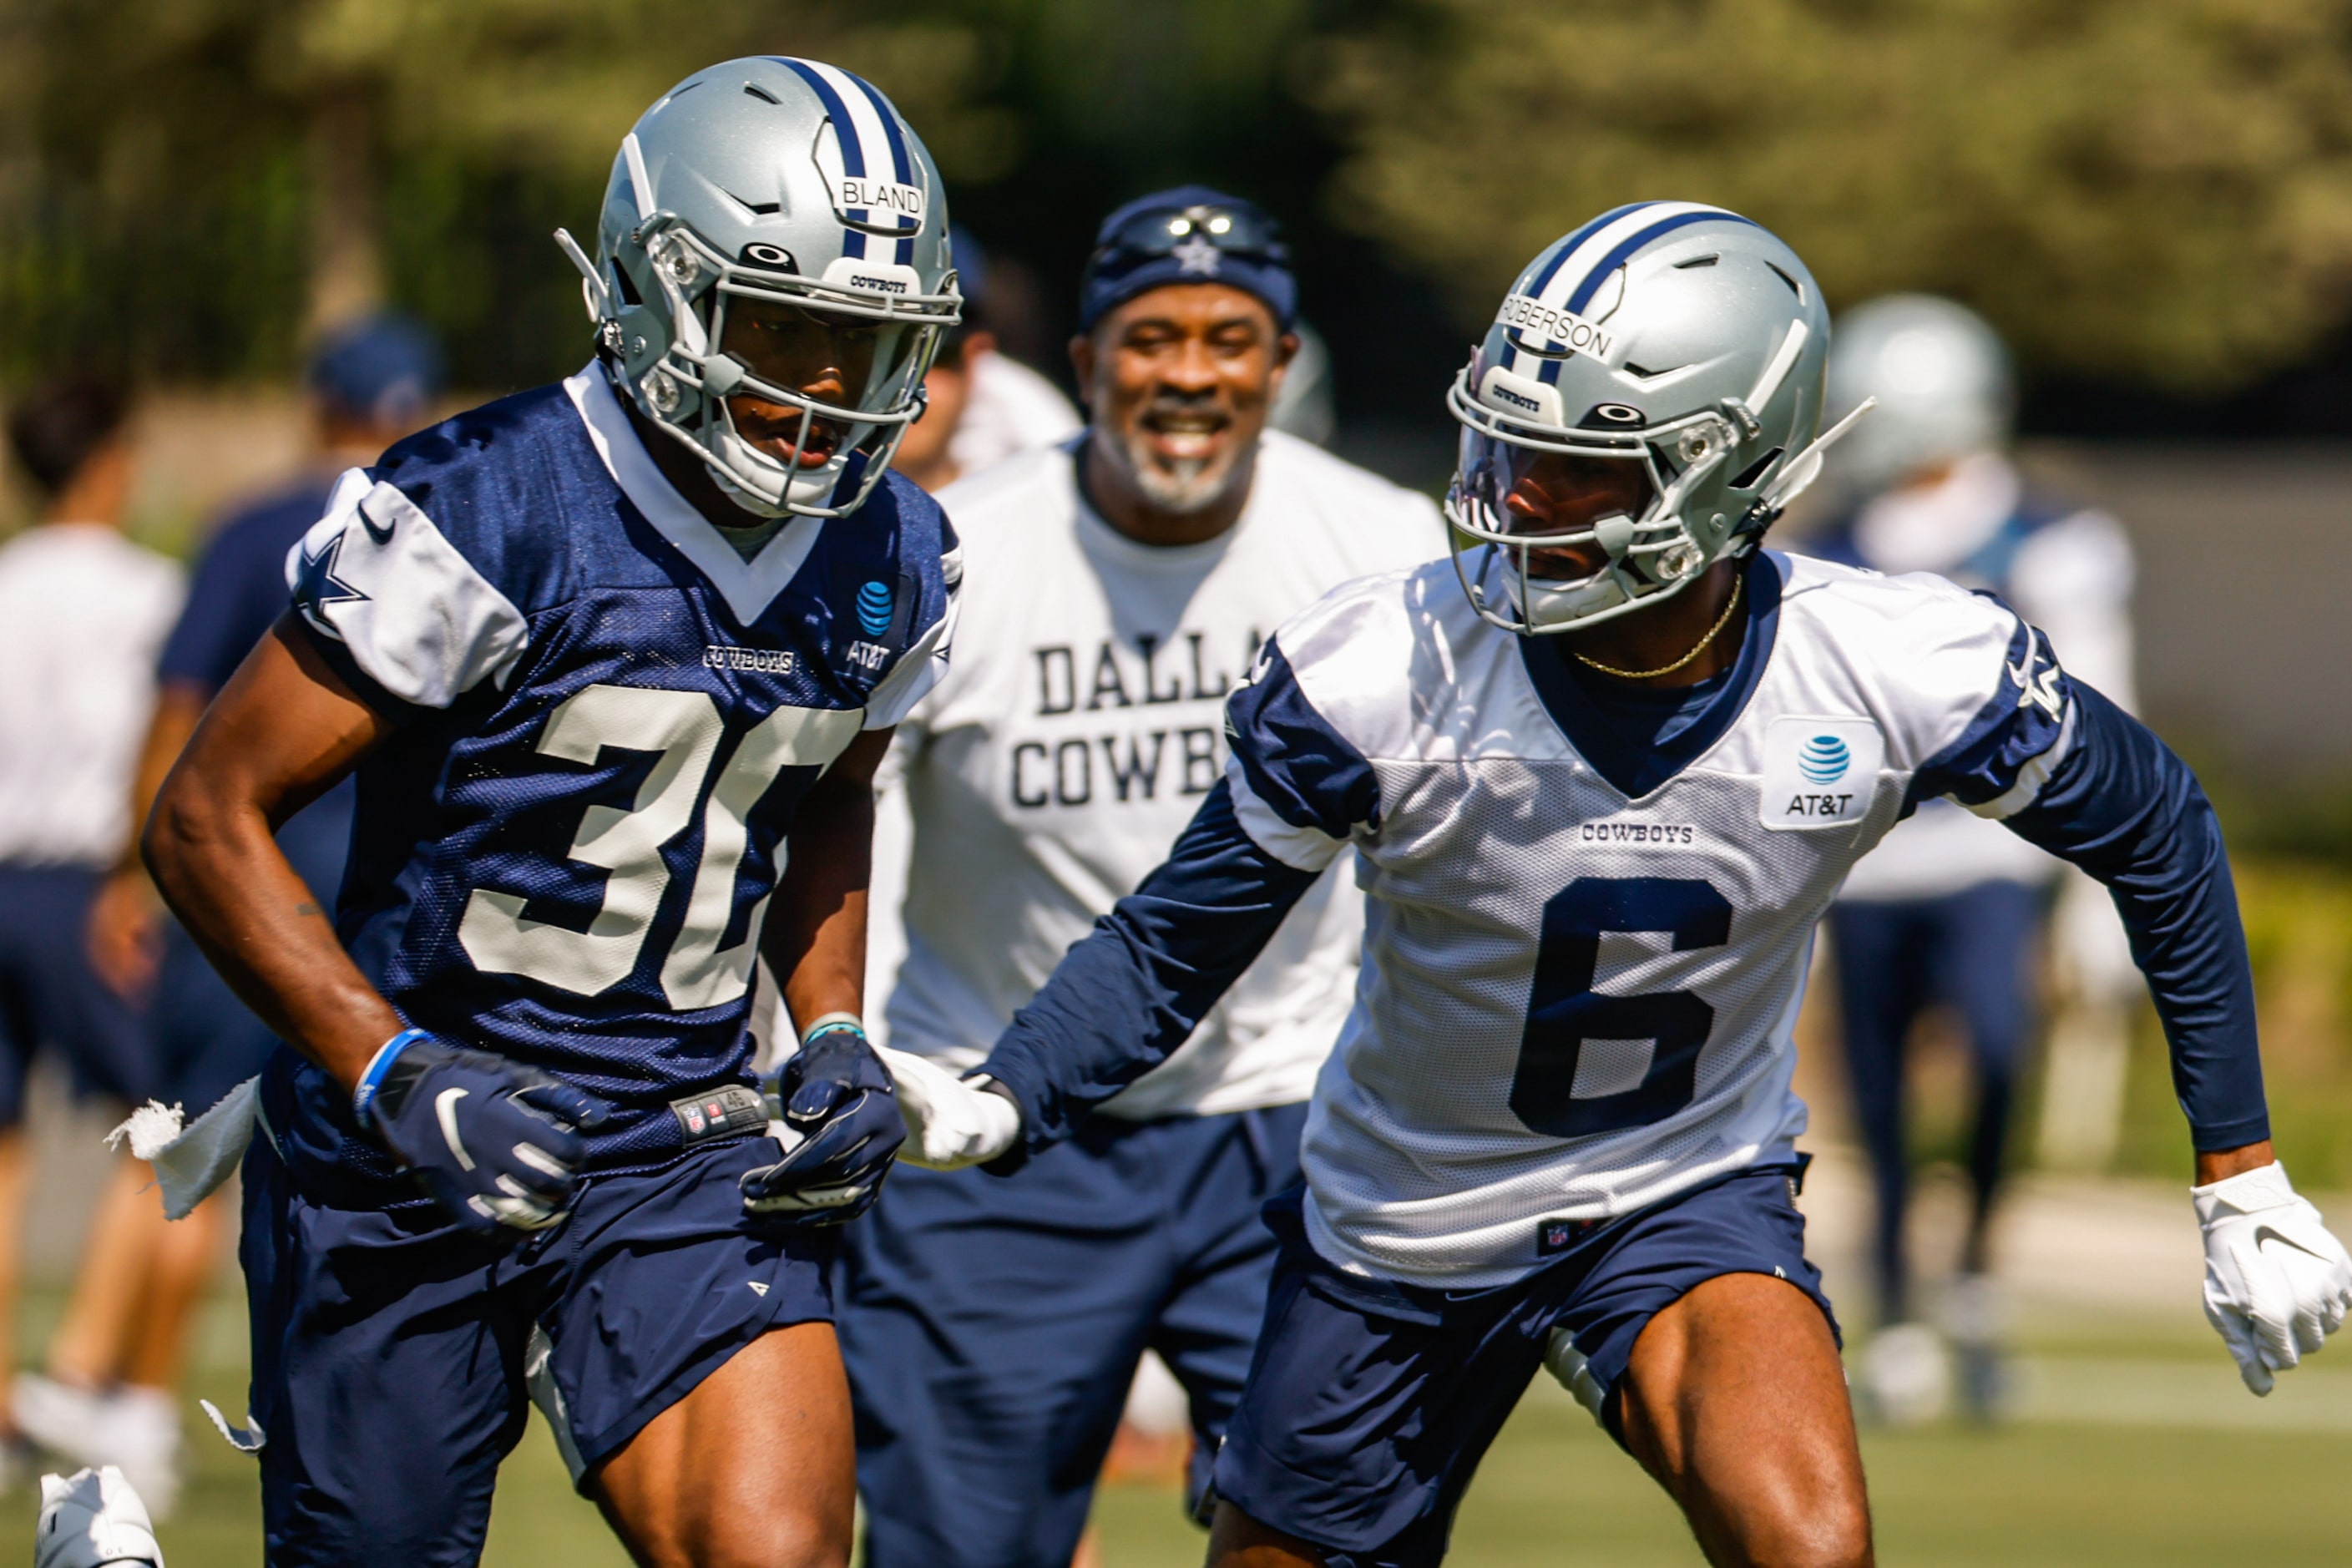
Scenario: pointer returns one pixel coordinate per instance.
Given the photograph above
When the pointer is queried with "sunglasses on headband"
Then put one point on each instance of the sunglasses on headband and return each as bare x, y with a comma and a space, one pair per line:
1236, 230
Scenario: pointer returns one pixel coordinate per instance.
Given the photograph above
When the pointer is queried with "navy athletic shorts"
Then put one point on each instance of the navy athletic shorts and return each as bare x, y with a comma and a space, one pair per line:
390, 1348
51, 998
992, 1325
1371, 1402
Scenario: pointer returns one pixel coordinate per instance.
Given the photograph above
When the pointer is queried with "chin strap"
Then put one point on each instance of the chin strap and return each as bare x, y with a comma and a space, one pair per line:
592, 288
1798, 476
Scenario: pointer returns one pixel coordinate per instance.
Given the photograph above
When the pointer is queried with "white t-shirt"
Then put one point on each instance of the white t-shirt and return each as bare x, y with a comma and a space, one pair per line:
1079, 725
2071, 577
1010, 409
82, 614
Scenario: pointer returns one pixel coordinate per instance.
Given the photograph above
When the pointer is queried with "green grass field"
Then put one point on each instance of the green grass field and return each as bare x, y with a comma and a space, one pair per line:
2257, 1484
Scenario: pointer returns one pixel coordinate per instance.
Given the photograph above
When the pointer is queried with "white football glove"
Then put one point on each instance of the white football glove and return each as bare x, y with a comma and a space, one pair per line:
92, 1518
2276, 1282
951, 1122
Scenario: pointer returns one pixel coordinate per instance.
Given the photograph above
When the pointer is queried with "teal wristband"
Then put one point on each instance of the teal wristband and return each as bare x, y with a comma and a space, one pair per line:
372, 1081
835, 1024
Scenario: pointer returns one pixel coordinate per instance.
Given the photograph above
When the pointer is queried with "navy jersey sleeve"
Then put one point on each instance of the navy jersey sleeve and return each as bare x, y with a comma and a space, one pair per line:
1122, 1000
2071, 773
1300, 788
2123, 807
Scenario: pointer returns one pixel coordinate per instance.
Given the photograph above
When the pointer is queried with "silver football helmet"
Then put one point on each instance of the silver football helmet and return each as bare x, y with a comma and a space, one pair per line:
1679, 337
1942, 379
768, 220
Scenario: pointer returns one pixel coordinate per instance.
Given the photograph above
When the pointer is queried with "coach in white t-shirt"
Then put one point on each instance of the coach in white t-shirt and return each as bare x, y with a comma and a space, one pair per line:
1116, 586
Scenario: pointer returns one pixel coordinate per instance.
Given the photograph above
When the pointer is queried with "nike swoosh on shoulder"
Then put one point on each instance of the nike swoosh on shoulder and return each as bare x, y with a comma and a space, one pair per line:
381, 535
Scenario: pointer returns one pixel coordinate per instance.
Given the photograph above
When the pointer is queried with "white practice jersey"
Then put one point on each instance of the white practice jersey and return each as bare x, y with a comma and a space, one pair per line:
83, 612
1076, 731
2068, 571
1577, 1001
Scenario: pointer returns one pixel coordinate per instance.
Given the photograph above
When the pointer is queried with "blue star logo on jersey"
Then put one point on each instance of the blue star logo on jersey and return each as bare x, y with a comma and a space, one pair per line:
1824, 759
316, 585
874, 609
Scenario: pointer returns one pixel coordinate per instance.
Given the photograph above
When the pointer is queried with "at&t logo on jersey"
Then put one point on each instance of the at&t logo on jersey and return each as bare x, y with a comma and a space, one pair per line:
1819, 771
874, 609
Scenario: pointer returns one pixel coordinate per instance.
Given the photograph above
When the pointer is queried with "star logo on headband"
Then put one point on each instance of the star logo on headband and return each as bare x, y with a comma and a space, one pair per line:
1196, 254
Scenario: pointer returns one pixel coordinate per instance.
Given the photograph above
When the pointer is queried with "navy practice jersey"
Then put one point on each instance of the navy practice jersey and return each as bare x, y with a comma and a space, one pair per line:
605, 716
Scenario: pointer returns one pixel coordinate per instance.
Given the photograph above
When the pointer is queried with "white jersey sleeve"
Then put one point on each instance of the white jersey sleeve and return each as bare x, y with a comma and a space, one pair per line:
379, 577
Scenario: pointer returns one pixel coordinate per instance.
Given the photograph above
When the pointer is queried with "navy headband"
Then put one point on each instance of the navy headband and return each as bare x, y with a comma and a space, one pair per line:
1188, 234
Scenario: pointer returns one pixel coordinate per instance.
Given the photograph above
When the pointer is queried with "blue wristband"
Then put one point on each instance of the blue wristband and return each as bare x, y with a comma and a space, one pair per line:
378, 1067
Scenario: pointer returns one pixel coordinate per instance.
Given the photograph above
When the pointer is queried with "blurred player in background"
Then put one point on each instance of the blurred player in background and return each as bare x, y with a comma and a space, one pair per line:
117, 1356
82, 612
613, 661
1120, 585
983, 405
1949, 909
1602, 774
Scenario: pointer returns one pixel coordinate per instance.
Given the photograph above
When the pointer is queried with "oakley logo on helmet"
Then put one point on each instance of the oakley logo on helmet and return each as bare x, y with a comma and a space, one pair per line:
775, 258
1619, 413
1528, 316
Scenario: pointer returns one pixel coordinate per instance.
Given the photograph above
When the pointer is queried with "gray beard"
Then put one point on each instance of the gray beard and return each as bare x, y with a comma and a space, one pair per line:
1186, 489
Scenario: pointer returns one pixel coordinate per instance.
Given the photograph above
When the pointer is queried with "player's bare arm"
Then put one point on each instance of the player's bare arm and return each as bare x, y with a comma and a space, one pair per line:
283, 731
815, 936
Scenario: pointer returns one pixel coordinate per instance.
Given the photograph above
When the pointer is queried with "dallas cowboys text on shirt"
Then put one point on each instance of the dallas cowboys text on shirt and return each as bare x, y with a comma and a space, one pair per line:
1123, 745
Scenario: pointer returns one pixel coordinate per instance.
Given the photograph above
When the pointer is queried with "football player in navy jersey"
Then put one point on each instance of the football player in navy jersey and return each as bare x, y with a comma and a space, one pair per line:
1602, 774
612, 662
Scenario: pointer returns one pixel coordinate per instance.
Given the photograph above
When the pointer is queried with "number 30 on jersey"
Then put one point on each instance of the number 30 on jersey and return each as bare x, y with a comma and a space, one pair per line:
686, 729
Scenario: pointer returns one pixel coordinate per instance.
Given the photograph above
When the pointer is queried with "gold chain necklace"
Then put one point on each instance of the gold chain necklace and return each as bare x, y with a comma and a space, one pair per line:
1697, 648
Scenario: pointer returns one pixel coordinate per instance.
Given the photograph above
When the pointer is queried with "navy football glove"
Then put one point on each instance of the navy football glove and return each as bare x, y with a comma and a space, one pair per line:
498, 1145
836, 1093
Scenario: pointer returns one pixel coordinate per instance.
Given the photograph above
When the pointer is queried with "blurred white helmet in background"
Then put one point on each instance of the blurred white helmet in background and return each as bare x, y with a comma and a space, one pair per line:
1942, 378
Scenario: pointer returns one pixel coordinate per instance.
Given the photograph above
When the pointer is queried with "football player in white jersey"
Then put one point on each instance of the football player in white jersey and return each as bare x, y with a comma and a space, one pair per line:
1602, 774
1121, 584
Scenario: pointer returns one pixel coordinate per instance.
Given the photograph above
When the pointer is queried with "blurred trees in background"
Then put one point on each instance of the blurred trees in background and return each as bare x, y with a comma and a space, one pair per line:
2163, 190
188, 186
2158, 191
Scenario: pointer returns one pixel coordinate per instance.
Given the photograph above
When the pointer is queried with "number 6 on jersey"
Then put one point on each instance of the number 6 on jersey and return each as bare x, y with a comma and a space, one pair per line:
1594, 1063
